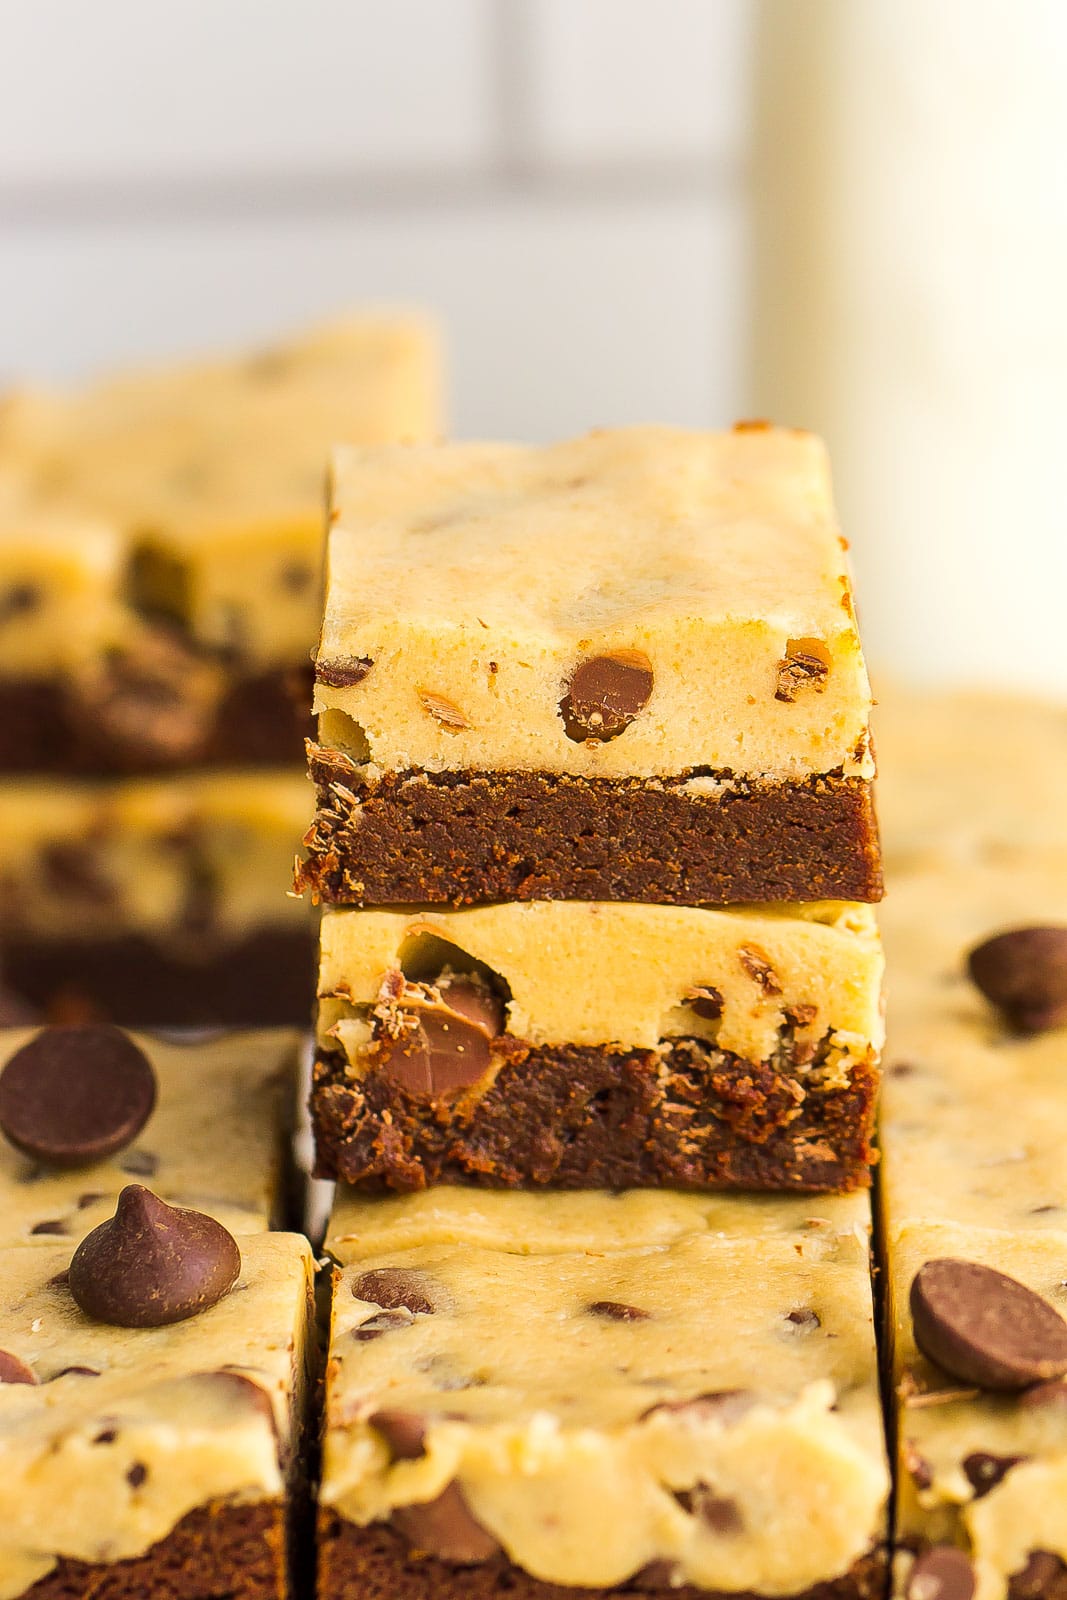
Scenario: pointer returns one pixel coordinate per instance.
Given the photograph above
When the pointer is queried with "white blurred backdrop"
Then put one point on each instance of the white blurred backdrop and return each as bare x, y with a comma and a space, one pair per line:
850, 214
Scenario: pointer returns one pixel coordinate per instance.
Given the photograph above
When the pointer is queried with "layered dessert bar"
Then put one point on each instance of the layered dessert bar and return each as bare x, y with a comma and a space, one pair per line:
598, 1045
208, 483
157, 901
596, 1394
149, 1461
624, 667
85, 1110
975, 1210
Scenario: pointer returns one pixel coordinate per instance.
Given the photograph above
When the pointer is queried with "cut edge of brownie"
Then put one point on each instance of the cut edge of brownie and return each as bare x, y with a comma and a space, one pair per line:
467, 837
377, 1563
686, 1115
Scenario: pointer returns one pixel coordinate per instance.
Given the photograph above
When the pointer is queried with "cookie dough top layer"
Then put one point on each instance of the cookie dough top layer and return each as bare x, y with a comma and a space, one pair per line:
559, 1382
123, 1432
594, 973
467, 584
213, 1143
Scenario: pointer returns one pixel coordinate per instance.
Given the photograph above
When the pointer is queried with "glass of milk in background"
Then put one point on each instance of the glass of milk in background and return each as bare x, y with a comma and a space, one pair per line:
910, 289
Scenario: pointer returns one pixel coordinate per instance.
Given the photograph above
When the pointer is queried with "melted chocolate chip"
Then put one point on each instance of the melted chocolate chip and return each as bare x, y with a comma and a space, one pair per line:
985, 1328
706, 1001
806, 663
152, 1264
446, 1047
14, 1370
1023, 972
984, 1472
941, 1573
605, 694
74, 1095
394, 1289
757, 966
403, 1431
446, 1528
384, 1322
617, 1311
342, 674
77, 1372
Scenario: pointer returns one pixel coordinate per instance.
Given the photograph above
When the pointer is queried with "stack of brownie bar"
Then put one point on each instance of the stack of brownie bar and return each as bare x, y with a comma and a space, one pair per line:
595, 837
160, 541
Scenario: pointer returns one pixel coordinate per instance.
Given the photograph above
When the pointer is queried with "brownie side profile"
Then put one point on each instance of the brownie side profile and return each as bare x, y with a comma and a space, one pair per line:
377, 1563
587, 1117
221, 1551
466, 838
266, 978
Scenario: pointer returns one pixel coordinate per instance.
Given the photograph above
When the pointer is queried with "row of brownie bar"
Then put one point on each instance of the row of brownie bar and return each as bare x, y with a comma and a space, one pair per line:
595, 835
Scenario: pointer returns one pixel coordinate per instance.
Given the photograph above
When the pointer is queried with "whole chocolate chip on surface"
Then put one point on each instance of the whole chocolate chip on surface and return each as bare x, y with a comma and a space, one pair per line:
403, 1431
77, 1094
1023, 971
446, 1528
14, 1370
985, 1328
941, 1573
447, 1047
395, 1289
152, 1264
605, 694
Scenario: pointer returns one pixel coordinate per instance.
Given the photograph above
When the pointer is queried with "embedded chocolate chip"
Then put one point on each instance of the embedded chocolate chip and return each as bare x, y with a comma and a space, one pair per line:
74, 1095
447, 1046
403, 1431
140, 1164
985, 1328
941, 1573
802, 1320
343, 674
395, 1288
19, 600
445, 1528
721, 1405
106, 1436
152, 1264
55, 1226
706, 1001
715, 1510
983, 1471
755, 962
90, 1198
242, 1388
296, 576
14, 1370
616, 1311
76, 1372
1024, 973
806, 662
1040, 1579
136, 1474
605, 694
384, 1322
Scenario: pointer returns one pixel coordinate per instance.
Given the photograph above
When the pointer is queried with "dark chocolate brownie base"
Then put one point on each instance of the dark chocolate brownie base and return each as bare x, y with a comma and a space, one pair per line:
582, 1117
266, 979
260, 720
466, 837
220, 1551
376, 1563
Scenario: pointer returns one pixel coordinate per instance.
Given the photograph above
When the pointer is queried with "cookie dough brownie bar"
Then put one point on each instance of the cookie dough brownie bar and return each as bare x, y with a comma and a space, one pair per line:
624, 667
592, 1394
588, 1045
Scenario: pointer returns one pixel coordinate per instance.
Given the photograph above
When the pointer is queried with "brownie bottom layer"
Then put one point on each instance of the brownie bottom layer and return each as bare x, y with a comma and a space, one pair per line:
583, 1117
469, 837
265, 979
218, 1552
376, 1563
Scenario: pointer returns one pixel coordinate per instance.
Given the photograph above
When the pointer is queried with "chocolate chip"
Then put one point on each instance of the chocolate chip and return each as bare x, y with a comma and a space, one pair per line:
152, 1264
1040, 1579
802, 1320
616, 1311
444, 1047
242, 1388
140, 1164
90, 1198
941, 1573
384, 1322
985, 1328
605, 694
403, 1431
1024, 973
343, 674
14, 1370
715, 1510
721, 1405
18, 601
77, 1372
74, 1095
706, 1001
445, 1528
756, 964
136, 1474
801, 1016
806, 661
1044, 1394
54, 1226
106, 1436
984, 1472
395, 1288
296, 576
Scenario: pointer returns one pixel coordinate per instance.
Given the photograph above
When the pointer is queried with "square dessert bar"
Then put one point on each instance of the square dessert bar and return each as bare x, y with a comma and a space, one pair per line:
624, 667
594, 1394
974, 1188
157, 901
579, 1044
215, 1136
210, 480
150, 1462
